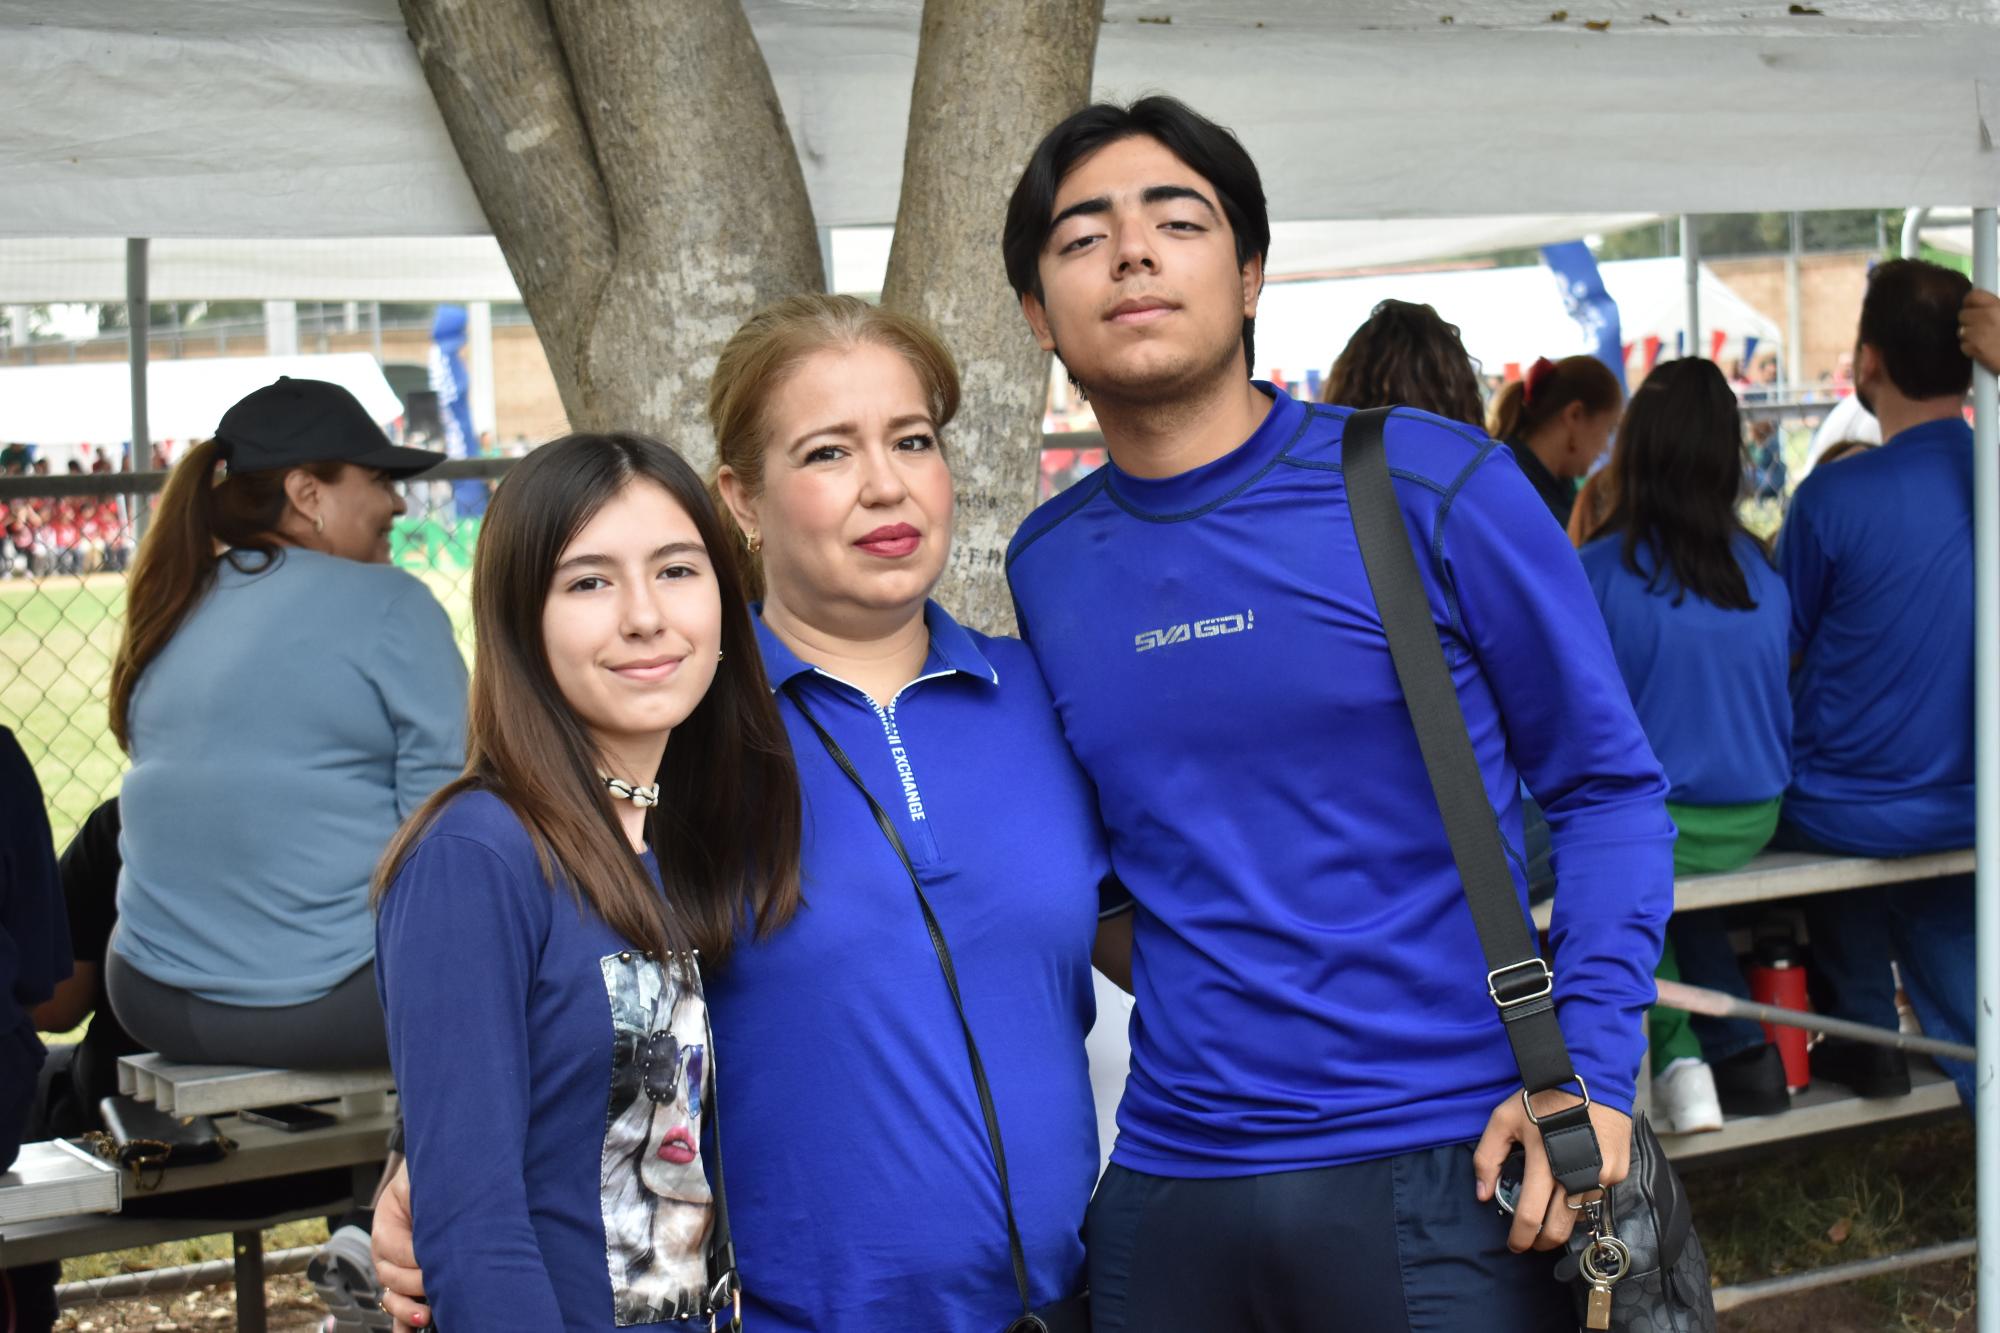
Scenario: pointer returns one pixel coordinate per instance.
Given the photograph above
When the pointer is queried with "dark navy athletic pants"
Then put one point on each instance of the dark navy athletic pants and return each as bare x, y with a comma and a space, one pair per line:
1399, 1245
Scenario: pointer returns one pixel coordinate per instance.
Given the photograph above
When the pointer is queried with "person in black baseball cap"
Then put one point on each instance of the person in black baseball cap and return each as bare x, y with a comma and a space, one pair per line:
311, 445
311, 421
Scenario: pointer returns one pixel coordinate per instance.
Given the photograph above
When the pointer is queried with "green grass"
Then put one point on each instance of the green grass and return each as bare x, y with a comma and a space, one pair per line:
1812, 1203
59, 635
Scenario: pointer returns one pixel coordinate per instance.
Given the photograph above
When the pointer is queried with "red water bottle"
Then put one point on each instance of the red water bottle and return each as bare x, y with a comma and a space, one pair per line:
1778, 978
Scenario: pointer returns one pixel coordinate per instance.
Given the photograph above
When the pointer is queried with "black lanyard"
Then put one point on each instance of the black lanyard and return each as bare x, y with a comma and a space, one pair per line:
888, 828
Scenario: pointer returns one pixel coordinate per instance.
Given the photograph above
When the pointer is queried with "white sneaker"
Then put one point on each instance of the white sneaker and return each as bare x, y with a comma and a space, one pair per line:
1684, 1100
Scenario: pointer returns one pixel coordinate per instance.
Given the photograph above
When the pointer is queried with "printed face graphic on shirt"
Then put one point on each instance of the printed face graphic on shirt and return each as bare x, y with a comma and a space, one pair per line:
657, 1204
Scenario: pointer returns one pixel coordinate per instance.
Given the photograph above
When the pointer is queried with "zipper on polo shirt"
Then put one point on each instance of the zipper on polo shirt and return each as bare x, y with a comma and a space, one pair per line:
917, 825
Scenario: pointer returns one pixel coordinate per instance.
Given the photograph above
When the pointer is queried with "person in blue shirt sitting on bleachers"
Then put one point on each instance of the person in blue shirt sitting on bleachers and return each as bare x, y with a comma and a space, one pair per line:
1698, 621
1877, 555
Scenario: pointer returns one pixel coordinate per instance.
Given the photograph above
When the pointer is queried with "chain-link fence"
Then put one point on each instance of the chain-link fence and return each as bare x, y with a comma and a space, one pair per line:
66, 544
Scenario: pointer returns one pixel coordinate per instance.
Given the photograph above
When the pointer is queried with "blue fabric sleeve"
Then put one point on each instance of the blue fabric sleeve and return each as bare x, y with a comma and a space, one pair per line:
1807, 572
421, 679
34, 928
1531, 619
456, 946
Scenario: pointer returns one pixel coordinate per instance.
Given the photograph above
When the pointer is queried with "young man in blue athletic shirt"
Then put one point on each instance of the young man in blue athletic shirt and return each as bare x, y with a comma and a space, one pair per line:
1314, 1051
1877, 555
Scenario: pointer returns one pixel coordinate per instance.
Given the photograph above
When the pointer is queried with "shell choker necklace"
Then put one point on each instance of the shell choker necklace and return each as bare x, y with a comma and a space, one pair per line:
626, 791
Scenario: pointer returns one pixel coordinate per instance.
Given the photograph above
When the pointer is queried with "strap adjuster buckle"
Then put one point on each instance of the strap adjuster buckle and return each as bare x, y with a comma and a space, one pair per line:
1535, 976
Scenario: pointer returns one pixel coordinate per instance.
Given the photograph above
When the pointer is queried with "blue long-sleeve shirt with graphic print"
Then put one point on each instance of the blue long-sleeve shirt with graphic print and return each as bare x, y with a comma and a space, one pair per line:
1310, 987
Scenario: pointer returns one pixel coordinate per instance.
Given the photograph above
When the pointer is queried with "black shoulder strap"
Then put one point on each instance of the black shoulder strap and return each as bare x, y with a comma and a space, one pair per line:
888, 828
1518, 978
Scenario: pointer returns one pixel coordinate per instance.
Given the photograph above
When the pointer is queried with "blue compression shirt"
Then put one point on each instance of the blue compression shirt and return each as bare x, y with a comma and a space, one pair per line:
553, 1086
861, 1186
1877, 553
1310, 987
1709, 684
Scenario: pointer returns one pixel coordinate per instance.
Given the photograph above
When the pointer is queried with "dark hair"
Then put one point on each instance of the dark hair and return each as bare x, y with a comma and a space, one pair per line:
1405, 353
726, 829
1679, 461
1209, 150
1522, 407
175, 566
1910, 317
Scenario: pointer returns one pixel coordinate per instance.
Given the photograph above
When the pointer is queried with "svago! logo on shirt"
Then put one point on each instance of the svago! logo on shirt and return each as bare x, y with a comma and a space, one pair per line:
1213, 627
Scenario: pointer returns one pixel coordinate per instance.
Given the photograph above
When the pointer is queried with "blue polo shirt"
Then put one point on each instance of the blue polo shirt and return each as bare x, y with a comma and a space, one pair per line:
1710, 685
1877, 553
861, 1186
1309, 983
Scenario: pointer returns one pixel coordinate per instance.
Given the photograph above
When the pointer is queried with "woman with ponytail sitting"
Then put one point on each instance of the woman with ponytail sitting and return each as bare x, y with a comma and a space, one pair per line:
288, 698
1558, 421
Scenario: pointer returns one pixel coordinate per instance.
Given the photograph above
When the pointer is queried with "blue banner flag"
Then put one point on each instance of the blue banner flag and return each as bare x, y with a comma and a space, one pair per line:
1588, 303
452, 384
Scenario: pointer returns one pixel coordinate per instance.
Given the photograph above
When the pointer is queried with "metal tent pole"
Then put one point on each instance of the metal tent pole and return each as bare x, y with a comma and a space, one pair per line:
1691, 259
137, 337
1986, 733
1795, 356
1913, 232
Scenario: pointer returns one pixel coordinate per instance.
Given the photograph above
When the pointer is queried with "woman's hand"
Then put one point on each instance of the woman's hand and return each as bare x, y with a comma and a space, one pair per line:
1542, 1215
393, 1244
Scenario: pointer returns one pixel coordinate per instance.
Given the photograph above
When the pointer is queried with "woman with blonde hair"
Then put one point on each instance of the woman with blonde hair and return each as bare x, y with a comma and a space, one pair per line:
912, 1134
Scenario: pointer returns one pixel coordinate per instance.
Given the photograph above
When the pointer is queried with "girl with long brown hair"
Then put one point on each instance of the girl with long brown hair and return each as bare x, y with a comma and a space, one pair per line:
628, 807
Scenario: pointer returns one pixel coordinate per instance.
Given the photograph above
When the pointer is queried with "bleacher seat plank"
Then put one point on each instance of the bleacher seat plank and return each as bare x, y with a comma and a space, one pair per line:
263, 1152
69, 1237
1821, 1109
56, 1179
181, 1089
1775, 875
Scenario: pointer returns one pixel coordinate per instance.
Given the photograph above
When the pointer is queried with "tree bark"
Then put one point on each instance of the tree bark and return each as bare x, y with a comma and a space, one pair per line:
634, 163
991, 80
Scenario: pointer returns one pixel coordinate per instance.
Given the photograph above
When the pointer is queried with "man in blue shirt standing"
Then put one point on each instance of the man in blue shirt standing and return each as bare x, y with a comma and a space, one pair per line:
1877, 554
1314, 1049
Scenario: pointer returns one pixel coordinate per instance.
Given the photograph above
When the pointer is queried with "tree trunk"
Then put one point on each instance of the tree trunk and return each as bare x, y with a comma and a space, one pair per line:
991, 80
634, 163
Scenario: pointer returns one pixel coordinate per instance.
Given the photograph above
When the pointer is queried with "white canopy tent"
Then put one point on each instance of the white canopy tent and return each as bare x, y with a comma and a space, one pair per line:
310, 118
231, 118
91, 403
1503, 314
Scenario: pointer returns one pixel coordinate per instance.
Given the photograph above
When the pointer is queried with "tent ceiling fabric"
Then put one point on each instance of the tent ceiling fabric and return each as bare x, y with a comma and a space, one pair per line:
311, 118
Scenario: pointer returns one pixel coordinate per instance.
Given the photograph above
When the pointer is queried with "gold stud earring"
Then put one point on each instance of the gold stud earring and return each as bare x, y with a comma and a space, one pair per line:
718, 654
755, 543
